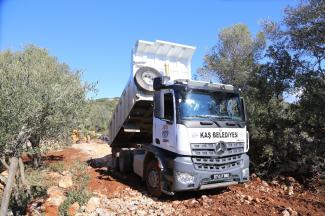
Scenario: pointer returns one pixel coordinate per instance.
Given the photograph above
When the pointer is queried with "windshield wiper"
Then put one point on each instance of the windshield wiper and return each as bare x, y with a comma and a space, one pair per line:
207, 117
229, 118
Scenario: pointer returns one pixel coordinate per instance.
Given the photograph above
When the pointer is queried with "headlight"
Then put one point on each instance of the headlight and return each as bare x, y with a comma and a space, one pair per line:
185, 178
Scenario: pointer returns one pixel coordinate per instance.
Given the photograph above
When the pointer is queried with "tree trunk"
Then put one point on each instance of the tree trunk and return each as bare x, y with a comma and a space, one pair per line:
22, 175
36, 155
10, 182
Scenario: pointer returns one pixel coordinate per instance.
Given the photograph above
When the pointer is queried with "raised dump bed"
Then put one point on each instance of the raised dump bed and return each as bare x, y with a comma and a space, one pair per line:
131, 121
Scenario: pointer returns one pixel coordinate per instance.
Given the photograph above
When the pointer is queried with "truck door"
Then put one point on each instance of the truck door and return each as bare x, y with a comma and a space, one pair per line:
164, 122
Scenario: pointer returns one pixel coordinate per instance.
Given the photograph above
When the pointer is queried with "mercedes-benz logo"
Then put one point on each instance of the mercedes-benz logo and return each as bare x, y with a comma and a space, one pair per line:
221, 148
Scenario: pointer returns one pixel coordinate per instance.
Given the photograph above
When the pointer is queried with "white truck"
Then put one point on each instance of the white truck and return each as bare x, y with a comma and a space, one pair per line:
178, 134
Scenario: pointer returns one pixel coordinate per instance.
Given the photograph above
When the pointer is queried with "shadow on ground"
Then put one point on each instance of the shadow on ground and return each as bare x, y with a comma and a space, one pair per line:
103, 167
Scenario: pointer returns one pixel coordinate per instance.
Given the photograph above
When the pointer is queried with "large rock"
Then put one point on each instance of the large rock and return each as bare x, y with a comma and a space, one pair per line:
65, 181
92, 204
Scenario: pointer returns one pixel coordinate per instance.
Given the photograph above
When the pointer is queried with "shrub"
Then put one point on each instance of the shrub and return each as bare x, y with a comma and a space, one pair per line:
79, 196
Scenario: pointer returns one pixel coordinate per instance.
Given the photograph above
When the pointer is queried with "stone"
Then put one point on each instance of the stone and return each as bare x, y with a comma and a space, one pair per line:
249, 198
204, 197
253, 176
176, 202
284, 187
291, 179
275, 183
66, 173
82, 208
257, 200
290, 190
194, 201
65, 182
294, 213
141, 212
285, 213
92, 204
54, 191
74, 208
56, 196
291, 211
265, 183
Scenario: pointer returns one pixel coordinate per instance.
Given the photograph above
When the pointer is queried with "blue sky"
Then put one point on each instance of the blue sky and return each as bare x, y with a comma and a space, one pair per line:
97, 36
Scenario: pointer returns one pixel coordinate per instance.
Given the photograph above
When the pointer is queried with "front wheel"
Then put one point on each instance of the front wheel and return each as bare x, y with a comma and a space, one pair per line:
153, 178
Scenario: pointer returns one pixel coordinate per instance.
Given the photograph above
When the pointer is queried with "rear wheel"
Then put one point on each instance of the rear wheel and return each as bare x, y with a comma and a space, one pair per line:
115, 164
153, 178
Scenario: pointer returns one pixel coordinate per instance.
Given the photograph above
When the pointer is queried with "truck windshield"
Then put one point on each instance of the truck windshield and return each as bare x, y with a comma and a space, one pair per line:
204, 104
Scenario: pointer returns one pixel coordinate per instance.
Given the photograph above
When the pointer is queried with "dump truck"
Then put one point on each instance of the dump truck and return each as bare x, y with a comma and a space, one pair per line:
176, 133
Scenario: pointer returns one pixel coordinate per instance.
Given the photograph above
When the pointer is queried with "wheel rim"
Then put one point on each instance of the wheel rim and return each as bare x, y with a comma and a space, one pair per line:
148, 77
153, 178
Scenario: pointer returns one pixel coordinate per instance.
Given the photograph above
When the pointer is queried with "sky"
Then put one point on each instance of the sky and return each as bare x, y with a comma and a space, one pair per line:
97, 36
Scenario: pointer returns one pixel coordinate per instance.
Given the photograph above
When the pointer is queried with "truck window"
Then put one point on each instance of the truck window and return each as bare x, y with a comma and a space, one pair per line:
168, 107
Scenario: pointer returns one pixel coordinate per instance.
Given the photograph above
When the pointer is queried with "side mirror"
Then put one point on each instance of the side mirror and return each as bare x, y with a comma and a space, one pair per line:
243, 108
159, 82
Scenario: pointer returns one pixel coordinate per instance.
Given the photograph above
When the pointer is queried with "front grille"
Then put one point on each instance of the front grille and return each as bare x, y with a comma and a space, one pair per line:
210, 149
207, 158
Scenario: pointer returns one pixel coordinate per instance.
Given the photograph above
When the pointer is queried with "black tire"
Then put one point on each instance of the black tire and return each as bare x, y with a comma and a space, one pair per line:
147, 73
125, 161
152, 178
115, 164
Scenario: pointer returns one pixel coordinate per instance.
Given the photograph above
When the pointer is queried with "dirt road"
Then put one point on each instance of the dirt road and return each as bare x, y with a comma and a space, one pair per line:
126, 194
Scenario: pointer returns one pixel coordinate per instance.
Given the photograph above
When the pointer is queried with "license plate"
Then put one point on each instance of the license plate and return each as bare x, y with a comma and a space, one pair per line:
221, 176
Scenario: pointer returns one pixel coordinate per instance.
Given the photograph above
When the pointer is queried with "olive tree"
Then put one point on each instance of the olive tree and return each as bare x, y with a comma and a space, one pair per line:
39, 98
233, 58
288, 137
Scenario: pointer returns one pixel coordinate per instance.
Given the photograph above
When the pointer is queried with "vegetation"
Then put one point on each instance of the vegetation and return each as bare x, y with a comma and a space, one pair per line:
79, 196
287, 135
233, 58
40, 98
100, 112
78, 193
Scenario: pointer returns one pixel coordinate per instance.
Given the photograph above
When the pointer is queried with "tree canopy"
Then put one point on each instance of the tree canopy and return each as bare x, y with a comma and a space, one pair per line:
40, 97
234, 56
286, 136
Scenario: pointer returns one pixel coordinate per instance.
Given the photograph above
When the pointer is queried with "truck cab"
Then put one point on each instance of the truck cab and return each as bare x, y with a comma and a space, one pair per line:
178, 134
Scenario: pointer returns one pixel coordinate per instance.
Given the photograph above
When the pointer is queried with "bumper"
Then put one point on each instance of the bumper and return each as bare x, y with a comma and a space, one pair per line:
201, 180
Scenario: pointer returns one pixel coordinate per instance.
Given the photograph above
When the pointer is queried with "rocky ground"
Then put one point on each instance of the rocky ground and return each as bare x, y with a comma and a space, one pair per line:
116, 194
